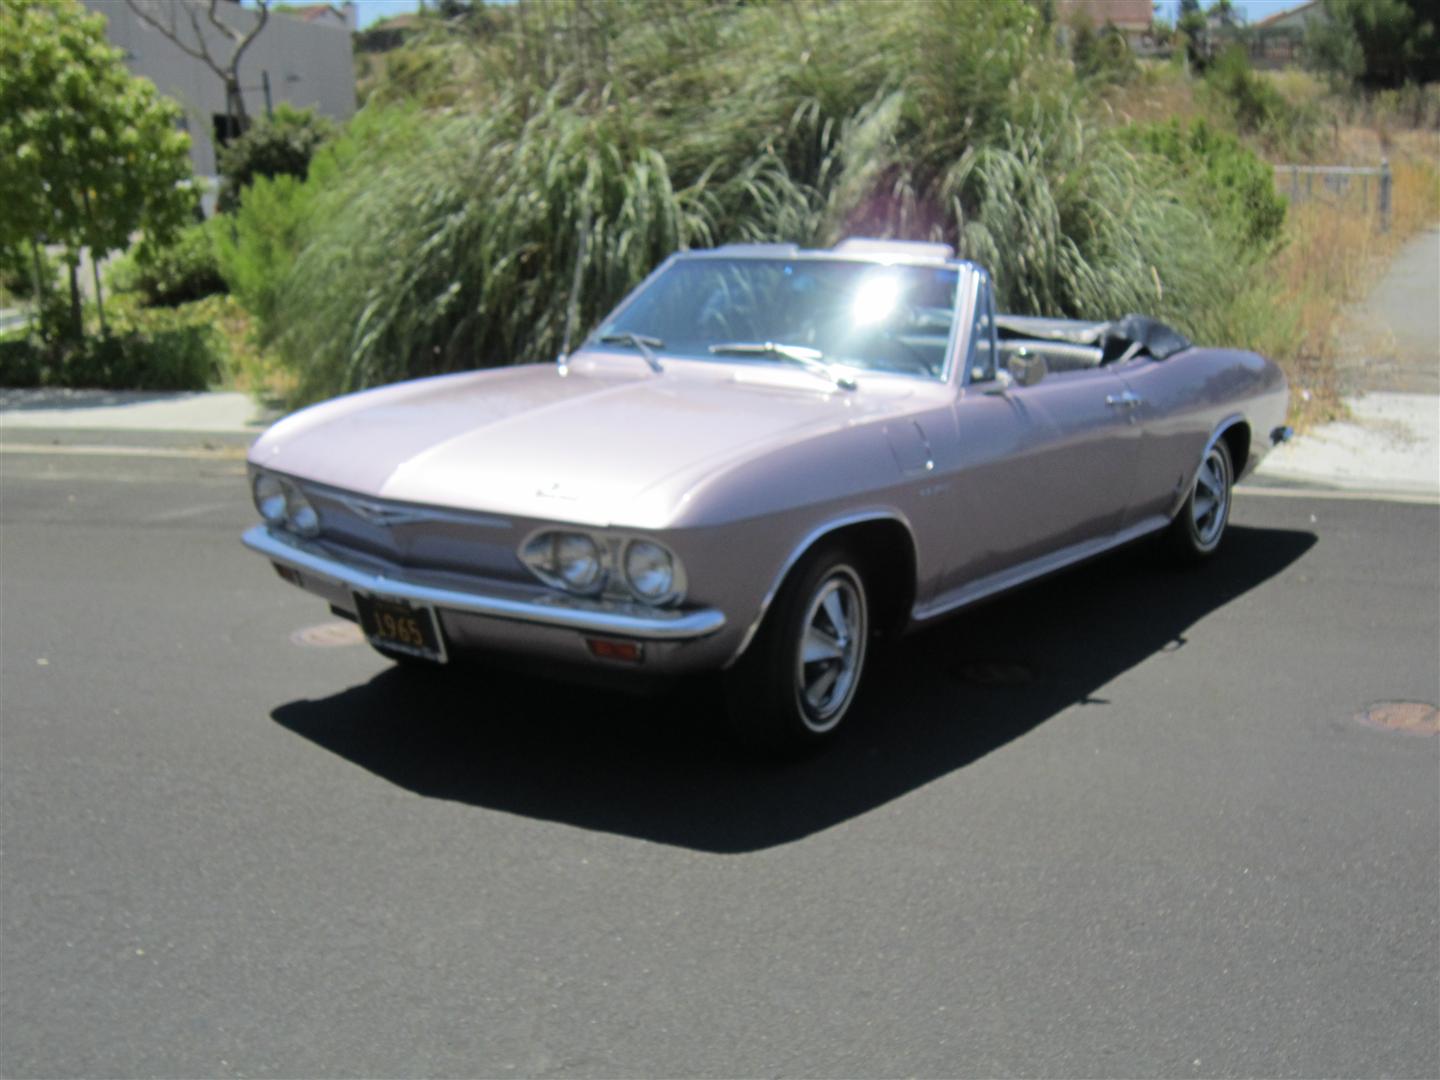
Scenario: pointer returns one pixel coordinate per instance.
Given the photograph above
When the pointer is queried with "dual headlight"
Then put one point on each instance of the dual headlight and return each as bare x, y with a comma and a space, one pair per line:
282, 503
591, 565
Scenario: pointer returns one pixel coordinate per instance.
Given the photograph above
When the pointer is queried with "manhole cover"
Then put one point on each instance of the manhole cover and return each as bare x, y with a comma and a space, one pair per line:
1412, 717
329, 635
995, 673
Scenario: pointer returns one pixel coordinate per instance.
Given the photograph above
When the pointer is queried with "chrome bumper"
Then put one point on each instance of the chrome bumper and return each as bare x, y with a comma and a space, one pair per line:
546, 610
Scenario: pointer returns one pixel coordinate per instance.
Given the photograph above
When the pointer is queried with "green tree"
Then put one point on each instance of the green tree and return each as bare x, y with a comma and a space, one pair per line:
88, 153
1376, 43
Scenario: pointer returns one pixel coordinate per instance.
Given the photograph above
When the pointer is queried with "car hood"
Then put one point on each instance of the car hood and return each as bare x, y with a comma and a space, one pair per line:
600, 444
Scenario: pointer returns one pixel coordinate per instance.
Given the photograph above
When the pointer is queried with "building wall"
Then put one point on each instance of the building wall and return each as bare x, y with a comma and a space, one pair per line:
309, 65
1128, 15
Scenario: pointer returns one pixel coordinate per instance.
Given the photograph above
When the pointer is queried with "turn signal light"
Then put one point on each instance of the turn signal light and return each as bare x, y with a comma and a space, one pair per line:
631, 652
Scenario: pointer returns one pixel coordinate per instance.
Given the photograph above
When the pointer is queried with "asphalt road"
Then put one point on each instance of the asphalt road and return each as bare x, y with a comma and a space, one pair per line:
1123, 823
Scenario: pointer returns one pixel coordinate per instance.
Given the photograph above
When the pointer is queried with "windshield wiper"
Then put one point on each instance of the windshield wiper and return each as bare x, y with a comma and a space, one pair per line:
644, 343
812, 360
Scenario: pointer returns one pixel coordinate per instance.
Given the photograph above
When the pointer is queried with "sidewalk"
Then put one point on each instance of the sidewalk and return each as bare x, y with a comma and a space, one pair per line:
132, 410
1390, 444
1389, 365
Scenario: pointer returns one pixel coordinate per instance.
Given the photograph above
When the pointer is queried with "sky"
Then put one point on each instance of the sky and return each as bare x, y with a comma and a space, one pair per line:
371, 11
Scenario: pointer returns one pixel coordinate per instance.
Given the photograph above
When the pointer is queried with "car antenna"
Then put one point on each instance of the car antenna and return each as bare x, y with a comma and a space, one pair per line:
572, 309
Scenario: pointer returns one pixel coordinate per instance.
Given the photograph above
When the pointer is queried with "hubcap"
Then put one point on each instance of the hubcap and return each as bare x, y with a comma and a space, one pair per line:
832, 649
1211, 502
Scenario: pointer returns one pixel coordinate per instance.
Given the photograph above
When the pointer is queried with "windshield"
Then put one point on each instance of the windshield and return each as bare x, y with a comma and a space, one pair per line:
860, 315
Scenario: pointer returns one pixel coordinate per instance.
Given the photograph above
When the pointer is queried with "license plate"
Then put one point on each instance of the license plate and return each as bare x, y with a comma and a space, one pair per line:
400, 626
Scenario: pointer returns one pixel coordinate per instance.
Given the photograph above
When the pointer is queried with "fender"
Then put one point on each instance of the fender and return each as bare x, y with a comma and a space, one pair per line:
1215, 436
813, 537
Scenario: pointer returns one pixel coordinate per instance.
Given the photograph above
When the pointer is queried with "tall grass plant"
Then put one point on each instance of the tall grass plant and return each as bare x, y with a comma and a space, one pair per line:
444, 232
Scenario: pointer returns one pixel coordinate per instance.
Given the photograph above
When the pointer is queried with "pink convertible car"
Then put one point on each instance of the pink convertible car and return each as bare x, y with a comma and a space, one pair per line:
763, 458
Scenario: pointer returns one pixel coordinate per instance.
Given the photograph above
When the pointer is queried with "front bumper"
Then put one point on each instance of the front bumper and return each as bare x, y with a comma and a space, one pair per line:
497, 615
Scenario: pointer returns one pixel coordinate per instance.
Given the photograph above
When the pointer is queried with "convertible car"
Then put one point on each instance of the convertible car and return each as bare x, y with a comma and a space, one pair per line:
761, 460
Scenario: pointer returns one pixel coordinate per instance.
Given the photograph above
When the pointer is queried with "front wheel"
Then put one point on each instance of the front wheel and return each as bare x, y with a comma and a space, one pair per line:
800, 675
1199, 526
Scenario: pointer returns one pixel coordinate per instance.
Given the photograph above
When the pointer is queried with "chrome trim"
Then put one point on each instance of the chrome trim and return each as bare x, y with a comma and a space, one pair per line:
380, 512
565, 612
388, 513
798, 552
1055, 561
1128, 400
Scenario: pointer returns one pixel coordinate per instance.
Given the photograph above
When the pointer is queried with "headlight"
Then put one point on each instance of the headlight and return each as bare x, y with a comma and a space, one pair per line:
602, 565
649, 571
577, 561
280, 502
299, 514
571, 561
269, 495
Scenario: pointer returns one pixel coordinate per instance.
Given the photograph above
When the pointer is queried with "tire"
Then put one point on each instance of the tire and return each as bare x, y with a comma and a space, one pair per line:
1198, 528
799, 678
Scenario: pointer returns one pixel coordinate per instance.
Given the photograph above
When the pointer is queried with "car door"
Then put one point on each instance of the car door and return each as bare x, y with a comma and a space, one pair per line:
1173, 427
1039, 468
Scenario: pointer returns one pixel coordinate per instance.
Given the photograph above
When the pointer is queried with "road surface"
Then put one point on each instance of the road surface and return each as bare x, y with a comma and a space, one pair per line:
1123, 823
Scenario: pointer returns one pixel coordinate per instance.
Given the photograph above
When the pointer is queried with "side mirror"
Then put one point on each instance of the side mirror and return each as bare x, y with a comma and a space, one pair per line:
1027, 368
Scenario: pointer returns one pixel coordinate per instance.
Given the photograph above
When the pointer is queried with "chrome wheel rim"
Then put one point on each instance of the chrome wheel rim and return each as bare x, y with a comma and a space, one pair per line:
832, 650
1210, 503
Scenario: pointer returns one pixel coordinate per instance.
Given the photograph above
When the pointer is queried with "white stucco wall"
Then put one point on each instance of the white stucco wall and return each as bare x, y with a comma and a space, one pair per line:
309, 64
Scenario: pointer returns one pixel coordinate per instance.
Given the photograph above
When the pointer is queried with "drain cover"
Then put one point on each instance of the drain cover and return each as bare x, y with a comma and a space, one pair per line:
1412, 717
328, 635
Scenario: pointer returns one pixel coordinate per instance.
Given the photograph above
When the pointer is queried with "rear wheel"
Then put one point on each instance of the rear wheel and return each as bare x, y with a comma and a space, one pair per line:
799, 678
1200, 525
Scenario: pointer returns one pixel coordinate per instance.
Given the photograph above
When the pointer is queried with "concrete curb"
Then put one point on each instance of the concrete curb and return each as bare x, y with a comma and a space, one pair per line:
132, 411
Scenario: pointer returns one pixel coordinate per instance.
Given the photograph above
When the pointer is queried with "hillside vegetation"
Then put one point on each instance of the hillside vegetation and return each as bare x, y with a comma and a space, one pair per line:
442, 228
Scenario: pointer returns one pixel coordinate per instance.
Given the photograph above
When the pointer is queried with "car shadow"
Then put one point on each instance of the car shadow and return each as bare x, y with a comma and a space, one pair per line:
661, 769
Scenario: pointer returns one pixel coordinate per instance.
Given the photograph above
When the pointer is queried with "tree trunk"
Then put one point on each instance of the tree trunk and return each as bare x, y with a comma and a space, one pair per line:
95, 267
76, 330
38, 316
99, 295
235, 105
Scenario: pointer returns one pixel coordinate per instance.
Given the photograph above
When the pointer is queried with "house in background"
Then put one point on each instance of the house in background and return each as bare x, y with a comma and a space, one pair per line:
302, 56
1133, 18
1279, 40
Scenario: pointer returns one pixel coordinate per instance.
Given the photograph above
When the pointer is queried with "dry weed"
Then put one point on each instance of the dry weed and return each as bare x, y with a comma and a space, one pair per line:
1334, 255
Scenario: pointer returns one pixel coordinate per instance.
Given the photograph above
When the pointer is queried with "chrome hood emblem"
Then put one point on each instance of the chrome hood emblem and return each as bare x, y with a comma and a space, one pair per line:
388, 515
378, 514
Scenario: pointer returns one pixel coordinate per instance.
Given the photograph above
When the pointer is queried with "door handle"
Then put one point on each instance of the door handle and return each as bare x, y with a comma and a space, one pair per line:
1127, 400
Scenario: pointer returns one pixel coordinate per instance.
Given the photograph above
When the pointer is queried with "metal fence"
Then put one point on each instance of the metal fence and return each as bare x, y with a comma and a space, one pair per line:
1338, 184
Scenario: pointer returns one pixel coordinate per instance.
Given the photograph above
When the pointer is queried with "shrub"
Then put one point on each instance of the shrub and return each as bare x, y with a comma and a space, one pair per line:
152, 349
165, 275
256, 245
459, 252
22, 362
281, 145
424, 242
1258, 108
1072, 223
1234, 187
1102, 56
